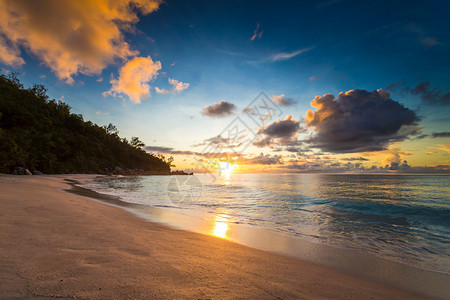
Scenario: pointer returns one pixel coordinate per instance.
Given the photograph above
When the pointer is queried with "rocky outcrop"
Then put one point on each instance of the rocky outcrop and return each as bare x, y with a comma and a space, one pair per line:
21, 171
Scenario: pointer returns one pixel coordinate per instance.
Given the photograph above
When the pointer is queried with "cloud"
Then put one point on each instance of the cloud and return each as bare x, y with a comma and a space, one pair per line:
429, 95
219, 109
440, 134
162, 91
281, 133
359, 121
283, 101
261, 159
394, 160
421, 35
289, 55
220, 142
281, 128
394, 86
257, 33
69, 37
394, 166
133, 78
178, 87
206, 155
167, 150
314, 78
102, 112
355, 159
444, 147
10, 53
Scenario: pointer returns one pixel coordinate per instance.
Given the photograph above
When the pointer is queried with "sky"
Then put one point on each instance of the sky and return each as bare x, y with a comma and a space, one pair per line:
285, 86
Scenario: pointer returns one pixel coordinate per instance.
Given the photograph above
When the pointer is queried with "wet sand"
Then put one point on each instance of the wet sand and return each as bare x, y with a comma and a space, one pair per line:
58, 244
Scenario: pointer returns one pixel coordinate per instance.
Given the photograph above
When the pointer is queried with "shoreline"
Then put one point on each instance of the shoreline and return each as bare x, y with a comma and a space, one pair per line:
369, 266
59, 244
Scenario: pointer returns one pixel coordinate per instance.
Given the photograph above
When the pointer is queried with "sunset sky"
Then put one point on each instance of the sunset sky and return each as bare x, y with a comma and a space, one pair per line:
284, 86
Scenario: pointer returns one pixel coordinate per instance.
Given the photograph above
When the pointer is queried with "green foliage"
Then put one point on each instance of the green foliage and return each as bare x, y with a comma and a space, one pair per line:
42, 134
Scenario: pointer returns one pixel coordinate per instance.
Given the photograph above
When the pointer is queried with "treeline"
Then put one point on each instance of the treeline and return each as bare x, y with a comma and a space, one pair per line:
42, 134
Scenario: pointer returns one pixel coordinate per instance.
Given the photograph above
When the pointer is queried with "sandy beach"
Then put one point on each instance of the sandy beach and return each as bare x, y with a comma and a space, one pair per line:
57, 244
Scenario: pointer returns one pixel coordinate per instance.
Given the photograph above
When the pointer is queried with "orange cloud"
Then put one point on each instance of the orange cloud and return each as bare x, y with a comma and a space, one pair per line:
162, 91
133, 79
257, 33
178, 87
70, 37
9, 54
444, 147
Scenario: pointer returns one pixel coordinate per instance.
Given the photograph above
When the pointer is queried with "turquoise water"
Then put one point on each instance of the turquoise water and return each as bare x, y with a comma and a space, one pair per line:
403, 218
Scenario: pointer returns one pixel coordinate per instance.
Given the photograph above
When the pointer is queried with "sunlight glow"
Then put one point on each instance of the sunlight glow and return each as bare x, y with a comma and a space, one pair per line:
220, 228
225, 169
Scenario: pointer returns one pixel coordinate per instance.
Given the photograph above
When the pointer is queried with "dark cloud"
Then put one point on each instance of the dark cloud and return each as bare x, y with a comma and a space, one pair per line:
283, 101
359, 121
395, 166
422, 136
429, 95
314, 167
292, 149
167, 150
263, 142
219, 109
281, 133
281, 128
393, 87
220, 142
424, 91
434, 135
250, 110
261, 159
208, 155
355, 159
440, 134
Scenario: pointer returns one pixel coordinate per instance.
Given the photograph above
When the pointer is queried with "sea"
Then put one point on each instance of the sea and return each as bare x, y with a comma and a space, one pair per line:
399, 218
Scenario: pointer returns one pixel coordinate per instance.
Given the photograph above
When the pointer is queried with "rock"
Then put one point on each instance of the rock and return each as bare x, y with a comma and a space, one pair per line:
118, 170
36, 172
21, 171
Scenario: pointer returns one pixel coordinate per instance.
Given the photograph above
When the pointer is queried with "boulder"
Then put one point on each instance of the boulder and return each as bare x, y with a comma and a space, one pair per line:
21, 171
36, 172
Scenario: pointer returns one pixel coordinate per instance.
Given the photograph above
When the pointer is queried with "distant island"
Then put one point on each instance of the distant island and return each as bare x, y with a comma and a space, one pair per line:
39, 135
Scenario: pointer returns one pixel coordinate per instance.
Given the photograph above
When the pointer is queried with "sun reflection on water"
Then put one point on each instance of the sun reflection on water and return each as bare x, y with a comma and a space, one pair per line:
220, 228
225, 169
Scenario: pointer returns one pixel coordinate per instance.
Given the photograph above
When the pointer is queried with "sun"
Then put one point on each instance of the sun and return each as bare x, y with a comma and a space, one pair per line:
225, 170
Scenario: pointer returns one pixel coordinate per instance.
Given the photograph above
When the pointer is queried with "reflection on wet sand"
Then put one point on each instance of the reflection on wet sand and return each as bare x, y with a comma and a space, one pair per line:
220, 226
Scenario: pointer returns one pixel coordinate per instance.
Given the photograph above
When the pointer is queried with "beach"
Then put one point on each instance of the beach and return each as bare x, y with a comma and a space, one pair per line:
58, 244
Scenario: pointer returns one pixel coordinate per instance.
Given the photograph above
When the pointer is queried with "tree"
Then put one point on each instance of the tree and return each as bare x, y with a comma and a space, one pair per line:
42, 134
111, 129
136, 143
